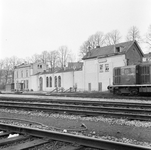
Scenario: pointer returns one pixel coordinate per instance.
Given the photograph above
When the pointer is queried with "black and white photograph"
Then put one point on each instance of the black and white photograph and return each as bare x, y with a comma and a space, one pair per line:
75, 74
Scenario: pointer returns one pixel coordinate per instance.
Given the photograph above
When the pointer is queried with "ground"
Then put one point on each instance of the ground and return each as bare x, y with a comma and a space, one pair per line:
97, 127
122, 130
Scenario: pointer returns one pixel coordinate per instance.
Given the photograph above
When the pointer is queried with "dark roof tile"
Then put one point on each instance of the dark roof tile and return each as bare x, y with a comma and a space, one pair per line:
108, 50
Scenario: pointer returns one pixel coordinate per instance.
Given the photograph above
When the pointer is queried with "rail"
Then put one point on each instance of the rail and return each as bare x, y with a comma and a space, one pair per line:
81, 140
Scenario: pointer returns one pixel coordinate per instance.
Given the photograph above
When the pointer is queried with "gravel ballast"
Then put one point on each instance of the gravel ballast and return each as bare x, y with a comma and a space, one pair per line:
121, 130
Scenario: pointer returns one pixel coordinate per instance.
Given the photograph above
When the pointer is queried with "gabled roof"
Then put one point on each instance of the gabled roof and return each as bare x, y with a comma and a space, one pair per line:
75, 65
23, 65
109, 50
147, 55
62, 70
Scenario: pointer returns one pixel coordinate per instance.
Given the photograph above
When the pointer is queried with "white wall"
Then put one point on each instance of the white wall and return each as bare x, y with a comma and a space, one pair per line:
78, 80
34, 83
90, 74
93, 75
67, 80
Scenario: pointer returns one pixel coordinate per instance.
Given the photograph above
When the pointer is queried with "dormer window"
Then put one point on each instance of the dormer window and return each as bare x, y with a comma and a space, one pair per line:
39, 66
118, 49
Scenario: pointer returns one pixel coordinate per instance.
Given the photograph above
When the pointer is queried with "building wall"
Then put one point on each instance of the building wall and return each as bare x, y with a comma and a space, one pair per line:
38, 67
22, 75
52, 87
105, 76
100, 72
90, 74
91, 78
96, 75
78, 80
133, 55
68, 79
34, 83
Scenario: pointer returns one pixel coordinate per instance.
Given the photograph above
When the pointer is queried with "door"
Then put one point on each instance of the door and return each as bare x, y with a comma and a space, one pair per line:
89, 86
41, 83
100, 86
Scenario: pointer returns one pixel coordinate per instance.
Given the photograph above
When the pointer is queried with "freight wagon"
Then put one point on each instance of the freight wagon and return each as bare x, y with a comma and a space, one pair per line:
132, 79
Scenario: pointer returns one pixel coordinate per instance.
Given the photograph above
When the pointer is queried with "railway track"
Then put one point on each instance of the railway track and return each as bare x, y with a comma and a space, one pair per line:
29, 138
78, 102
120, 112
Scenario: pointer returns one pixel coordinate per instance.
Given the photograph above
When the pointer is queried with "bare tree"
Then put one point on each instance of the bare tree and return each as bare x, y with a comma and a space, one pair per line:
133, 34
99, 38
35, 58
8, 66
2, 84
52, 59
64, 56
1, 64
28, 60
15, 61
112, 38
84, 48
148, 37
44, 56
93, 41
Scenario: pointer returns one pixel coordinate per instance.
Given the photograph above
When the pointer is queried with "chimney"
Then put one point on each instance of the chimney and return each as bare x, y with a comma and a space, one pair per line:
89, 51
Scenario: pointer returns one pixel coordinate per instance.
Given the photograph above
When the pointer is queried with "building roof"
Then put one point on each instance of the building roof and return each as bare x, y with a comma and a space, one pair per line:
38, 73
147, 55
23, 65
75, 65
110, 50
62, 70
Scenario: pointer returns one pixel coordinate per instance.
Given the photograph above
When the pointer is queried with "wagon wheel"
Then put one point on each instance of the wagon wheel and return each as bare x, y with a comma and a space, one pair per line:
134, 92
117, 91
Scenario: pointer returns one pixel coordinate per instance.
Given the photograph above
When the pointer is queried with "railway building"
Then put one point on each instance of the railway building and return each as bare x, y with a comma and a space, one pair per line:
66, 79
147, 57
95, 73
99, 63
23, 75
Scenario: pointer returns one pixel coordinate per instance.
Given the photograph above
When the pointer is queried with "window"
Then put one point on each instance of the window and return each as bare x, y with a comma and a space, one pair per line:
22, 74
59, 81
101, 68
39, 66
17, 74
50, 79
47, 82
106, 67
55, 81
26, 73
27, 84
118, 49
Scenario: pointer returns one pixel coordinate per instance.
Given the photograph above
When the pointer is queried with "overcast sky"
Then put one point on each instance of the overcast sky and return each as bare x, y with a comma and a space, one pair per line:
32, 26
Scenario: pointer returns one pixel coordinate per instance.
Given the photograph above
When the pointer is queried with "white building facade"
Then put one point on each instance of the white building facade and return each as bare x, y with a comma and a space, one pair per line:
23, 75
95, 73
98, 72
61, 80
100, 62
